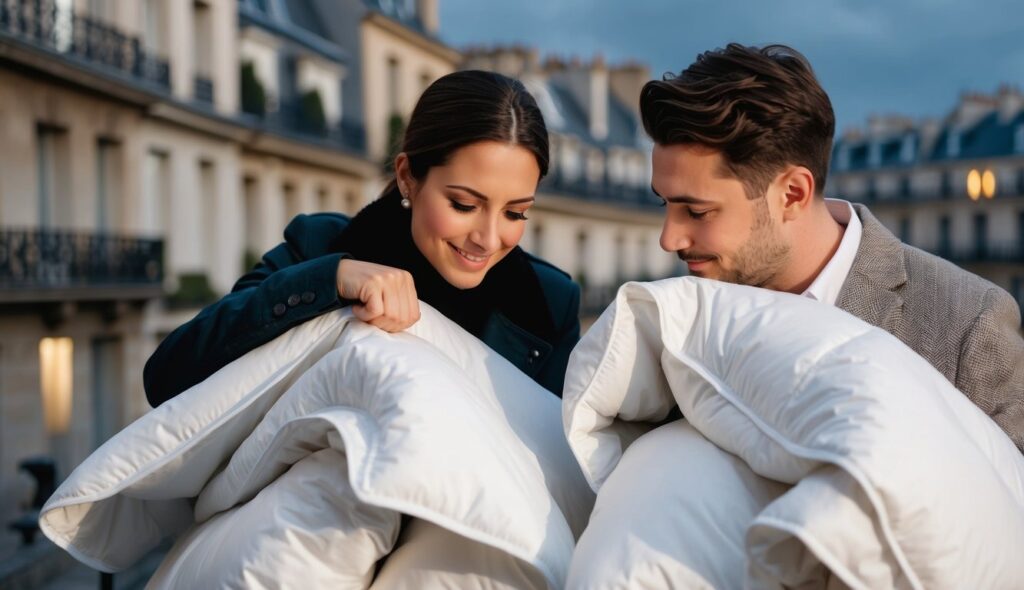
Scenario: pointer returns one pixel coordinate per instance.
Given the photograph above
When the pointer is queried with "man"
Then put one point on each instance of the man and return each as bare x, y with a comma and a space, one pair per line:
743, 139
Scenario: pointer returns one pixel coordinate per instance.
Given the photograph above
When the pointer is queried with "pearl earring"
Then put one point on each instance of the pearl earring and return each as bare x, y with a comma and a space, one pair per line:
406, 203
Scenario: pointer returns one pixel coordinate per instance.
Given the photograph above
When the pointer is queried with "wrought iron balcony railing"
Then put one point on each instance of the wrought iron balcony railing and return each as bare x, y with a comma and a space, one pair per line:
291, 119
42, 260
56, 27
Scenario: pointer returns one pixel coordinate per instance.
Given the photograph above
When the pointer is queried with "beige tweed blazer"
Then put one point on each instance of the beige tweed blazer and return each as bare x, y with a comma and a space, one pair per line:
965, 326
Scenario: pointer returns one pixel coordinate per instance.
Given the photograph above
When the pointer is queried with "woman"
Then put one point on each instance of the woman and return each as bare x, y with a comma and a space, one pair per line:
444, 231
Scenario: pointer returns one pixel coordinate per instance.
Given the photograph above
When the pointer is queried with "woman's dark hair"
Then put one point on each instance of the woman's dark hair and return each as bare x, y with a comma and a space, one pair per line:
465, 107
762, 108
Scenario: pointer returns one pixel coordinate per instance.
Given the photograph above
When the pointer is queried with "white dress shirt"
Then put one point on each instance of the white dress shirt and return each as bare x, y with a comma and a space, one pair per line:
830, 280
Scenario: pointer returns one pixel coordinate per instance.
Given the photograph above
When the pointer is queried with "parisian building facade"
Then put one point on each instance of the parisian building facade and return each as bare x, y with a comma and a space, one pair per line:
151, 150
953, 187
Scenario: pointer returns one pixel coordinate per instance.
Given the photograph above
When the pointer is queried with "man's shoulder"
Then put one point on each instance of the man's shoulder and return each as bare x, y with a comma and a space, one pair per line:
956, 291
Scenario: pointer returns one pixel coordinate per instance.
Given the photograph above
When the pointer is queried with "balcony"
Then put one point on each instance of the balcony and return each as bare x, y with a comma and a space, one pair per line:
38, 265
294, 120
82, 41
604, 190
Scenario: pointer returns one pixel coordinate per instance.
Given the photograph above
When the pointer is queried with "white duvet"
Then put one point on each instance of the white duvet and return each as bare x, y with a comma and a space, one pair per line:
294, 465
816, 452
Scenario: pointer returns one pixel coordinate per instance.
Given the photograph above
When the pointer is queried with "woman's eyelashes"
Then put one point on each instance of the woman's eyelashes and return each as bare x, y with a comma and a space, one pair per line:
464, 208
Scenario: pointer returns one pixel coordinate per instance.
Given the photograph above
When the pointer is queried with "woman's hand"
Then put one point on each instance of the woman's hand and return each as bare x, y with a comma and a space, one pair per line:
388, 294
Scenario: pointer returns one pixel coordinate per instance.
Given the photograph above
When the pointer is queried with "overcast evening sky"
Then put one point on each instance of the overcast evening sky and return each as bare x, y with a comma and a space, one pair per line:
910, 57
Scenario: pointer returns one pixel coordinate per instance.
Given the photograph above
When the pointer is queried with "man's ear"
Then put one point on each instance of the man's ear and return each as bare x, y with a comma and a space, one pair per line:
796, 185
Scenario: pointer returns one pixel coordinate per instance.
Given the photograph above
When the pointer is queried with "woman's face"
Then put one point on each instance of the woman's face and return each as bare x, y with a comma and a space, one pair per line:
468, 214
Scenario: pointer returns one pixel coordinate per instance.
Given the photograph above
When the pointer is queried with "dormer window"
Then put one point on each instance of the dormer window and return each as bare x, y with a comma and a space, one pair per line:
843, 157
875, 154
953, 143
907, 149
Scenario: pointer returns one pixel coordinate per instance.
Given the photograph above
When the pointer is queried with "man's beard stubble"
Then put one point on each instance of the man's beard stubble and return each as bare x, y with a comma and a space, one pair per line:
759, 259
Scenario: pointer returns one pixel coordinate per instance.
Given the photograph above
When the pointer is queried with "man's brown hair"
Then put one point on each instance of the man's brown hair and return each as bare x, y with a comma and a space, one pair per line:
762, 108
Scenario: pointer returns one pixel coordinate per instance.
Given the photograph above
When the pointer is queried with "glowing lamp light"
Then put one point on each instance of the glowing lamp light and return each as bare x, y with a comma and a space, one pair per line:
974, 185
988, 184
55, 363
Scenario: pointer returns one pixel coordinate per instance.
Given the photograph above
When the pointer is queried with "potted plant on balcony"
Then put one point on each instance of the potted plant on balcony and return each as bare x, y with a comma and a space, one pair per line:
311, 111
254, 97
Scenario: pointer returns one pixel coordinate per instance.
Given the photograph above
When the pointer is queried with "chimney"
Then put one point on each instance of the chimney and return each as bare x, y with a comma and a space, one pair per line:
429, 15
1010, 103
626, 81
588, 84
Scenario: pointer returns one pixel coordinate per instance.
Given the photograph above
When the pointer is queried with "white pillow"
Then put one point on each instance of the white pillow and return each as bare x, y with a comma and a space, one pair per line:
790, 386
429, 556
432, 422
673, 514
134, 491
306, 529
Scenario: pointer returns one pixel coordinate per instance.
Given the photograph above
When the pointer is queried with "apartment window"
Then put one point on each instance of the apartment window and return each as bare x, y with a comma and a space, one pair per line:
152, 26
907, 148
291, 203
156, 211
1020, 231
871, 190
108, 185
953, 143
581, 258
394, 87
905, 230
202, 26
1018, 139
209, 211
980, 235
1017, 290
875, 154
107, 388
323, 199
945, 244
946, 185
1020, 182
843, 157
253, 217
905, 187
53, 176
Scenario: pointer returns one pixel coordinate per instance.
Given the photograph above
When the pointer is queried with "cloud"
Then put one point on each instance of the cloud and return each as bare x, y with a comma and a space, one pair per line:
901, 56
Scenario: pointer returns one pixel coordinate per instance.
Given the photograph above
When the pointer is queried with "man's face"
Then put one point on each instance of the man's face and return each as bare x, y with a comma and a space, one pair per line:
711, 224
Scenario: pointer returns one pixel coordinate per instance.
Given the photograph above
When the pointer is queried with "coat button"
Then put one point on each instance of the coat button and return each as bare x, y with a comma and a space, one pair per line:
535, 353
293, 300
279, 309
308, 297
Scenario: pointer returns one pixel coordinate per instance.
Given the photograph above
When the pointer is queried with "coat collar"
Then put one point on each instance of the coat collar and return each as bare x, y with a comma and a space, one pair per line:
872, 289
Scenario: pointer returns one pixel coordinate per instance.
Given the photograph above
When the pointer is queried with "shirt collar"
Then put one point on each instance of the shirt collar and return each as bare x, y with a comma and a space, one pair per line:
829, 282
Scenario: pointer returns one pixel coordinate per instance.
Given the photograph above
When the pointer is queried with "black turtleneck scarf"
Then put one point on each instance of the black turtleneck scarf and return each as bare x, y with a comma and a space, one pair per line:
381, 233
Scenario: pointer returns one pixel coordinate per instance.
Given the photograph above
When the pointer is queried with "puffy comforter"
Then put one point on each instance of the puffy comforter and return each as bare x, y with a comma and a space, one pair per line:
816, 452
339, 456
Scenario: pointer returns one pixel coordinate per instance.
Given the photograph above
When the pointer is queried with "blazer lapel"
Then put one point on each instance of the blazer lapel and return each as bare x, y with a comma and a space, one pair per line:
872, 289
